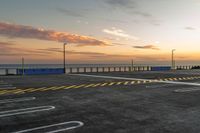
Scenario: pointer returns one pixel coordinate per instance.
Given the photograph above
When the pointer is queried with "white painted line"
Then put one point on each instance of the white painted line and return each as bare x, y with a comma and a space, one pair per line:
25, 111
17, 100
68, 125
187, 90
124, 78
7, 88
5, 85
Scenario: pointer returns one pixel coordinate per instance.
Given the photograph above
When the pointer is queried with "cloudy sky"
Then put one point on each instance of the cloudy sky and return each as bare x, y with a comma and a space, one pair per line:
100, 31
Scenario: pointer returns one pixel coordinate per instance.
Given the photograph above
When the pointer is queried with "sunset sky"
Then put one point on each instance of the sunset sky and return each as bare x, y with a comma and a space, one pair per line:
100, 31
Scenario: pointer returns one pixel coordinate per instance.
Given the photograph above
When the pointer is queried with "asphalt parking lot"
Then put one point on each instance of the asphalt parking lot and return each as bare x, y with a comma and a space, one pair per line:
126, 102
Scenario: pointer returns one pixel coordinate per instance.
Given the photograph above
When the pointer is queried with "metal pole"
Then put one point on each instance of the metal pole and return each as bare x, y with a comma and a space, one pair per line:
22, 65
64, 64
64, 57
173, 62
132, 65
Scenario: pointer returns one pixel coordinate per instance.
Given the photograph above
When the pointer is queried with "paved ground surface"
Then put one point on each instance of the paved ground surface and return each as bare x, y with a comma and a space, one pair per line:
137, 102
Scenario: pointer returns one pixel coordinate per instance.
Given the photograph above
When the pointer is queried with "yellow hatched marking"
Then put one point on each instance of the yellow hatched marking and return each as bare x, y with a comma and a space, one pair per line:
111, 83
61, 87
69, 87
31, 89
144, 81
104, 84
138, 82
132, 82
97, 85
46, 88
165, 79
148, 81
90, 85
4, 92
18, 91
118, 83
126, 83
79, 86
180, 79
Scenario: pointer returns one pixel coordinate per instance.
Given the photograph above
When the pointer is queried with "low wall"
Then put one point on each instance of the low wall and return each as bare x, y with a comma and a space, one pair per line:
161, 68
40, 71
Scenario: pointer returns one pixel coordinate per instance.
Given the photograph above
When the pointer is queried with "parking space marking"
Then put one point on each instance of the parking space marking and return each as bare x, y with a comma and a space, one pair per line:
17, 100
69, 126
25, 111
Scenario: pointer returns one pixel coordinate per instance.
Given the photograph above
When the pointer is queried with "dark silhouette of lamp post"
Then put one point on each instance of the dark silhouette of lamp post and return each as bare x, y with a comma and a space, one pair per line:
173, 61
64, 64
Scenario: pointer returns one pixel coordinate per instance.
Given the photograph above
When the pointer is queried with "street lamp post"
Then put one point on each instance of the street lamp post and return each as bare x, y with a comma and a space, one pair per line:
64, 64
173, 61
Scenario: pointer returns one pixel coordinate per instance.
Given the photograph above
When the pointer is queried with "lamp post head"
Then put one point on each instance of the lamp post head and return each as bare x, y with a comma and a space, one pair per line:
65, 43
173, 49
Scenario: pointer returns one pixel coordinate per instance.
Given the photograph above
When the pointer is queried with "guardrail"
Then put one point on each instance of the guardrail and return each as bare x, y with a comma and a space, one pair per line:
15, 71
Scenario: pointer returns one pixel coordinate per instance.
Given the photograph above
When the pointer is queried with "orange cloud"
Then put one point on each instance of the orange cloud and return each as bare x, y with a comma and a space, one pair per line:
21, 31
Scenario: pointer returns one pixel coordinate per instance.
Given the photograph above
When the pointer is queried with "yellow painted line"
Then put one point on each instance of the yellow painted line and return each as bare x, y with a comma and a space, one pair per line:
90, 85
166, 79
126, 83
144, 81
18, 92
132, 82
69, 87
79, 86
118, 83
46, 88
97, 85
138, 82
4, 91
11, 91
104, 84
147, 81
110, 84
61, 87
31, 89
